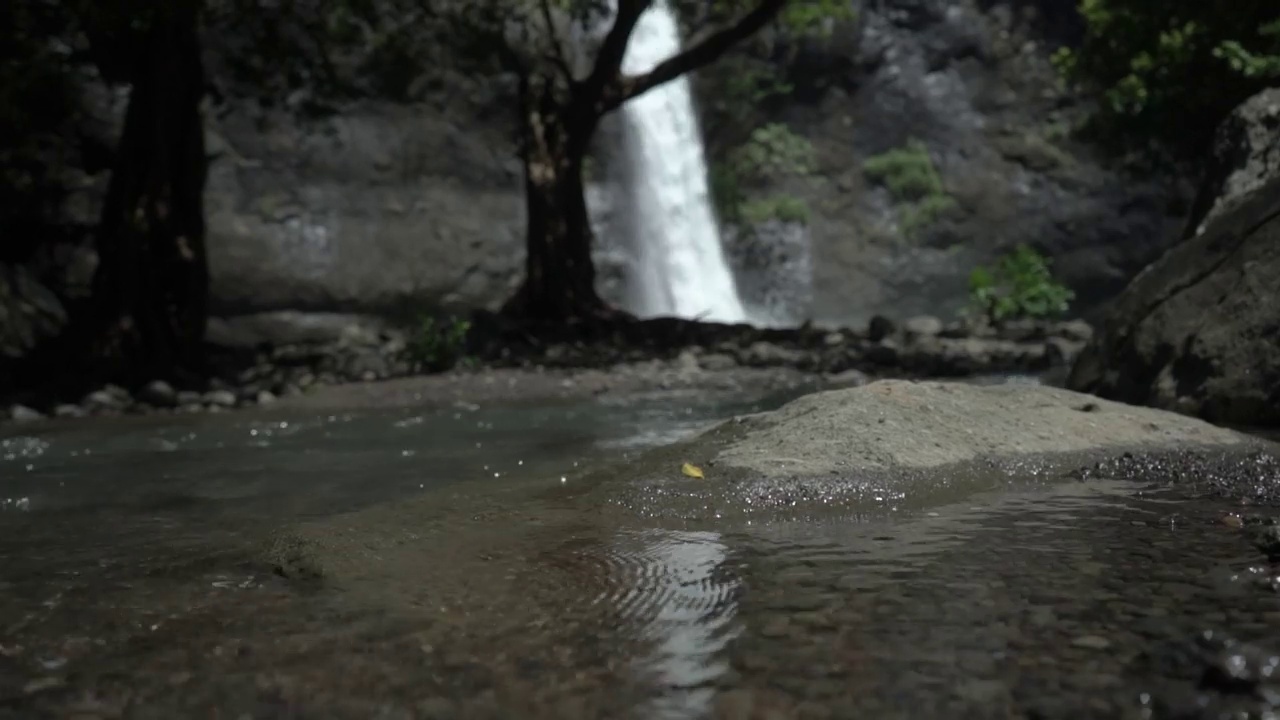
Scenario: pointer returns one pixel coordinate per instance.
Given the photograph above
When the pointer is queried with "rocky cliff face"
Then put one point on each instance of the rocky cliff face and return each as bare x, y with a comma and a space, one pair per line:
390, 206
381, 208
972, 87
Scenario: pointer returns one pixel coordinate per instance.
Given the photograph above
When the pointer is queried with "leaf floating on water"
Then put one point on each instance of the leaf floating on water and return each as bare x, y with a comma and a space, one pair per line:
691, 470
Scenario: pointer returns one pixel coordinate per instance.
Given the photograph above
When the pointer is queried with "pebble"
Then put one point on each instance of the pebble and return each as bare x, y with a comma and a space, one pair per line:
1091, 642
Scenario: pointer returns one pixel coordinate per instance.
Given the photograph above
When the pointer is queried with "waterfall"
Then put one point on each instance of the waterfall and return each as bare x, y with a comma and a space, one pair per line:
675, 265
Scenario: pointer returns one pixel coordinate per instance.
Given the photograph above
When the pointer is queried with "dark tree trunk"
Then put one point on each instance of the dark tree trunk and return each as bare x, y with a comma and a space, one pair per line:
559, 283
147, 316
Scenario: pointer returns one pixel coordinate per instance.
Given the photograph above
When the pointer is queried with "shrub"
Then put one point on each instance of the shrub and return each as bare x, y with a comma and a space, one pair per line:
785, 208
1020, 286
773, 151
437, 346
908, 173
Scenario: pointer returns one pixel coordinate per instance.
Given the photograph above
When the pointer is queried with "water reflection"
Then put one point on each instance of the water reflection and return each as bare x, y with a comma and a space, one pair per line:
694, 622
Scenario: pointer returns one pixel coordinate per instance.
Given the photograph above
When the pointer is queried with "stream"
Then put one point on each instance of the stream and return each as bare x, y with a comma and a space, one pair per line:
131, 584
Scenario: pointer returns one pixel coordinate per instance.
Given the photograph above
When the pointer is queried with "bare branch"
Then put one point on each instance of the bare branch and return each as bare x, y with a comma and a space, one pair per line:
609, 59
557, 48
697, 54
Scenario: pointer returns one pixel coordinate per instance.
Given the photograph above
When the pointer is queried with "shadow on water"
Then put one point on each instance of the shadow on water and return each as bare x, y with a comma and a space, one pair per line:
130, 586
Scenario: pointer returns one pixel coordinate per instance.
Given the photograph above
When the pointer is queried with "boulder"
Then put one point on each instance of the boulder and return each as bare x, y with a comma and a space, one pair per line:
1245, 154
883, 447
1199, 330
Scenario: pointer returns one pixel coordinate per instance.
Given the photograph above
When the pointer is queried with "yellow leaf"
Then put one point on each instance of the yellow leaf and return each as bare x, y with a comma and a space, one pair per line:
691, 470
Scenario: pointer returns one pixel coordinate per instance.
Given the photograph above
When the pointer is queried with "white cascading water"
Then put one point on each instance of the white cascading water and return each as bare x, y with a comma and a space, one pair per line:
676, 265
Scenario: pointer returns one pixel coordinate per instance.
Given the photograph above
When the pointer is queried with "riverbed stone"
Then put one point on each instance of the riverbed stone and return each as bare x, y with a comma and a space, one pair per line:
220, 398
159, 393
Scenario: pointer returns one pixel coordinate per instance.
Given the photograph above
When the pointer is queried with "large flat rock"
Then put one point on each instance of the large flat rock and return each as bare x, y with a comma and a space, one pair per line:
913, 425
885, 447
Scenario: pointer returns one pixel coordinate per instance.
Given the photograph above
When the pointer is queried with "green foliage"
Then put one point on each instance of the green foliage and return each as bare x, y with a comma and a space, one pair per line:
1020, 286
1168, 71
748, 84
785, 208
437, 346
916, 216
1251, 64
772, 152
911, 178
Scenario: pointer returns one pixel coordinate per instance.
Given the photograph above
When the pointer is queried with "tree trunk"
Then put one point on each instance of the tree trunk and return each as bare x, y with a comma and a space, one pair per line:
559, 283
151, 286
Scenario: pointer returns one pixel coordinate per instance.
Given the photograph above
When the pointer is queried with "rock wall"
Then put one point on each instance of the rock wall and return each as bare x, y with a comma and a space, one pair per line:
974, 85
397, 206
381, 208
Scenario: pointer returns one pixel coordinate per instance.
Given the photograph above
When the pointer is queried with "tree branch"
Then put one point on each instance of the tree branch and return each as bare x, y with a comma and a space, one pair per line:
557, 48
697, 54
609, 59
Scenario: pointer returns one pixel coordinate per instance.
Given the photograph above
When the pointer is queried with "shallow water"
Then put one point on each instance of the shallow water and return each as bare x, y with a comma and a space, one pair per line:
130, 584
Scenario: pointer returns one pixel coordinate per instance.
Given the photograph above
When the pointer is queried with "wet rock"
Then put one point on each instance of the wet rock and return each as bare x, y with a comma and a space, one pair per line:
1196, 332
1245, 156
716, 362
264, 397
110, 398
884, 352
69, 410
158, 393
765, 354
188, 397
219, 398
1075, 330
22, 413
922, 326
879, 328
847, 379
